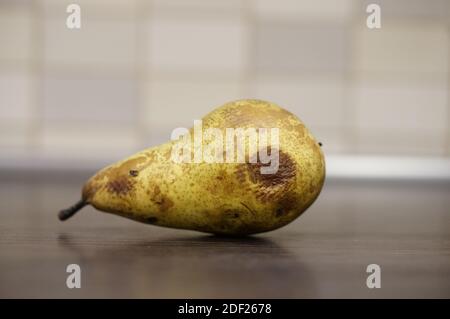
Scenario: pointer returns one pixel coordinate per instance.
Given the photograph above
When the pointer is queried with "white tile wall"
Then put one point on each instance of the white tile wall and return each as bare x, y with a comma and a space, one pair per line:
179, 5
177, 102
16, 112
103, 100
412, 9
100, 44
293, 48
399, 142
304, 9
87, 142
108, 9
14, 139
193, 45
137, 69
413, 108
16, 34
317, 100
413, 49
394, 118
16, 95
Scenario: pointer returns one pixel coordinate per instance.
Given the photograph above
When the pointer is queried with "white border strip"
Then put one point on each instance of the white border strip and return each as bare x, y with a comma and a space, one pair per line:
377, 167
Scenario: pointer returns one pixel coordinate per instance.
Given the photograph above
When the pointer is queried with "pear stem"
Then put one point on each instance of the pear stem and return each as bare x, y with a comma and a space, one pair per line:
69, 212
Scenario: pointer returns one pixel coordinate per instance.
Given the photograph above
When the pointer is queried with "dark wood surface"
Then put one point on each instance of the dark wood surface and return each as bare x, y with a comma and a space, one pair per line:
402, 226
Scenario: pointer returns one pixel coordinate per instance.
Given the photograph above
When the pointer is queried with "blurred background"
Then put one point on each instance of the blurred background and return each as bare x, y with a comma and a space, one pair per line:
82, 98
75, 100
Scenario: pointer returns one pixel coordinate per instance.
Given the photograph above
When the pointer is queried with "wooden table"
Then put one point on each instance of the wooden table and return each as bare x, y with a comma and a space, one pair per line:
402, 226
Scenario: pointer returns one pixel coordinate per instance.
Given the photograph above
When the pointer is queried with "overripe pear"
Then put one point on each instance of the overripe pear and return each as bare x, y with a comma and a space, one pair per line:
224, 195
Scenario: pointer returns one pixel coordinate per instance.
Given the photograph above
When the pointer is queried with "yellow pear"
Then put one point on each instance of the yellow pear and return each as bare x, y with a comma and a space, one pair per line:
216, 177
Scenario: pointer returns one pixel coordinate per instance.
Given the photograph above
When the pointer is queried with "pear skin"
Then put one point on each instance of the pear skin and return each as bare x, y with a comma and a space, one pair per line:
222, 198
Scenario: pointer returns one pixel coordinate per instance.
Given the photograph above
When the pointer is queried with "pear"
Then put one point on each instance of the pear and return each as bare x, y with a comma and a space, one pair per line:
224, 197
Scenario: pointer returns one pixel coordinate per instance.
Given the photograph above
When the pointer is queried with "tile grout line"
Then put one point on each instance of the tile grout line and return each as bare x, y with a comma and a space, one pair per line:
447, 139
145, 71
349, 131
36, 67
140, 75
248, 74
